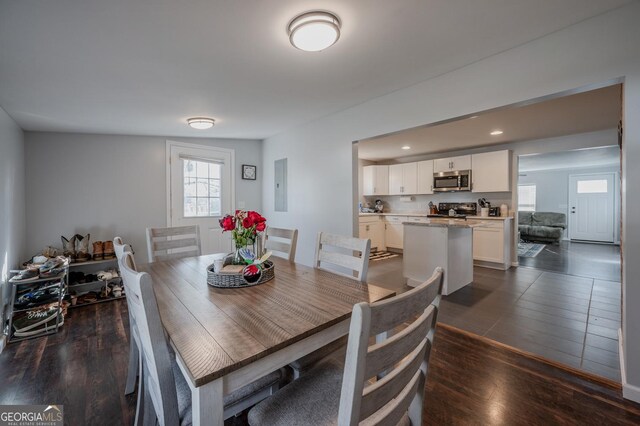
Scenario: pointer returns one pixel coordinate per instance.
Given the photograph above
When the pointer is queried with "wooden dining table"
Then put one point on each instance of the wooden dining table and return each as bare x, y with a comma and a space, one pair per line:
226, 338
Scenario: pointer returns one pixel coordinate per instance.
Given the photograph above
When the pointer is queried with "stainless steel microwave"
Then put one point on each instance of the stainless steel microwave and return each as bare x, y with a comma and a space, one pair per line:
459, 180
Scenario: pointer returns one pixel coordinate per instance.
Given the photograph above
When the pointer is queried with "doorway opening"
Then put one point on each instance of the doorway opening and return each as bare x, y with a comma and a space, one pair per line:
567, 310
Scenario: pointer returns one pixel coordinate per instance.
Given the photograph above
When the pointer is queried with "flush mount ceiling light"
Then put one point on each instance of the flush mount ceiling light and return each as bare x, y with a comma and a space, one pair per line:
201, 123
314, 31
496, 132
406, 147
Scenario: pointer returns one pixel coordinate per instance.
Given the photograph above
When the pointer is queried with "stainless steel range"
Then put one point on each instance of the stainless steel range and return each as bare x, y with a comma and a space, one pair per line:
462, 210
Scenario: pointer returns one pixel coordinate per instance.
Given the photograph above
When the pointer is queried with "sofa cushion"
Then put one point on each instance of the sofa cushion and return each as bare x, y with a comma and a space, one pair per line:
524, 218
558, 220
550, 232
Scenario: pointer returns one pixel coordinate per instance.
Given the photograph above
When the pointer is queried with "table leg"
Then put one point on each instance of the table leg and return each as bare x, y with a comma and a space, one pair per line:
207, 404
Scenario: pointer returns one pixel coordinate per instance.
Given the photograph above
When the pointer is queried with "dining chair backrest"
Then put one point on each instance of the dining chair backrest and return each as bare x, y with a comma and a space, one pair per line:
400, 360
159, 378
346, 253
282, 241
173, 243
121, 248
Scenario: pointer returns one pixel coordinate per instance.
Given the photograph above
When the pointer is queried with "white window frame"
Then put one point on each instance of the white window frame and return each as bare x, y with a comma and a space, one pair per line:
535, 201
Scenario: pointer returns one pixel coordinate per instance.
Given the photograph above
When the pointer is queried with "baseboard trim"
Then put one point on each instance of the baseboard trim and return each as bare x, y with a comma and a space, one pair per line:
629, 392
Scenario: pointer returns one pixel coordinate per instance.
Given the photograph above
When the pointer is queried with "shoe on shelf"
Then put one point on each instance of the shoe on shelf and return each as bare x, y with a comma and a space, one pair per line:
26, 275
68, 248
107, 275
51, 264
109, 251
117, 290
82, 248
98, 250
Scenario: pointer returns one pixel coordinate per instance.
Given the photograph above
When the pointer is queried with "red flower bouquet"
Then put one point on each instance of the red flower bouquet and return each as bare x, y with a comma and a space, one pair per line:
244, 226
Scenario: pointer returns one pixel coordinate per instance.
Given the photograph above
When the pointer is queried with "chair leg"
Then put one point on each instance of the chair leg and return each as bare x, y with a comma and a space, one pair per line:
139, 420
150, 418
132, 369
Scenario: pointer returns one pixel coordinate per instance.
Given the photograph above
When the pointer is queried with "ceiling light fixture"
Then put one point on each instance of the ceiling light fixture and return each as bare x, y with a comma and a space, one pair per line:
201, 123
314, 31
496, 132
406, 147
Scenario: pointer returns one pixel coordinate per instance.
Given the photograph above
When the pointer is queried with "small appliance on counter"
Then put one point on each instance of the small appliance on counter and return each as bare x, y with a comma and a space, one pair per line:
379, 207
494, 211
366, 208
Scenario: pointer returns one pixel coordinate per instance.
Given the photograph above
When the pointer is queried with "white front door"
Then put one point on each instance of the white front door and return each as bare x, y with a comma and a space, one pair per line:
591, 207
201, 191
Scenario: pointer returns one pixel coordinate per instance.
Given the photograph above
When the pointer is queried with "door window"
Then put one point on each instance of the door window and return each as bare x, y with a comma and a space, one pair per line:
592, 186
202, 188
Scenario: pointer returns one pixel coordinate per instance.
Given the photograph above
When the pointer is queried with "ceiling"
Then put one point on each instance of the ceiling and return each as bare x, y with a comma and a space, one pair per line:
585, 112
592, 157
144, 66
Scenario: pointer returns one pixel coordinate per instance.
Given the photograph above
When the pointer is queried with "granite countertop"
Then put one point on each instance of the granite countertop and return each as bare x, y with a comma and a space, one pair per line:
447, 223
419, 214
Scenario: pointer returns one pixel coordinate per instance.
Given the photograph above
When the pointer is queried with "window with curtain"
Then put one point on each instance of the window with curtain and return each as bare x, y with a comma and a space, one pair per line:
527, 198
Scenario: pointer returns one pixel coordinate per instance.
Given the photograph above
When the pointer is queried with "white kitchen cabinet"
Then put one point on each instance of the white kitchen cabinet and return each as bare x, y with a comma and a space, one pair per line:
372, 227
375, 180
425, 177
491, 171
450, 164
403, 179
492, 244
394, 231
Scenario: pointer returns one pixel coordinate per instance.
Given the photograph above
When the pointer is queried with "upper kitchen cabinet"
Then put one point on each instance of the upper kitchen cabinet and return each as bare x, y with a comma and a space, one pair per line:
491, 171
403, 179
425, 177
462, 162
375, 180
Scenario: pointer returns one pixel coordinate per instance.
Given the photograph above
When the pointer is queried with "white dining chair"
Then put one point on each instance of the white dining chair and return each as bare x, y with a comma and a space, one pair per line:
134, 357
167, 395
352, 395
346, 256
173, 243
282, 242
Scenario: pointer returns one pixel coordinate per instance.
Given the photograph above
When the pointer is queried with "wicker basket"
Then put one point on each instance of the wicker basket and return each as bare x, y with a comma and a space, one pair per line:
236, 280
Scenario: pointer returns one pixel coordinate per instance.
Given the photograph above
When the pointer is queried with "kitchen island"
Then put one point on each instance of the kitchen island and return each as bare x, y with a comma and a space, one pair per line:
447, 243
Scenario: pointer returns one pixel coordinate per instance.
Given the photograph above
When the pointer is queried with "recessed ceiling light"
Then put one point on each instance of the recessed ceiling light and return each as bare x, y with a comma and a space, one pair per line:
201, 123
496, 132
314, 31
406, 147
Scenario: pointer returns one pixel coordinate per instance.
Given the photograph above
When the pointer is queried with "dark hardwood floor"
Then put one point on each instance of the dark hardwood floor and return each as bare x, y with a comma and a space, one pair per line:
471, 379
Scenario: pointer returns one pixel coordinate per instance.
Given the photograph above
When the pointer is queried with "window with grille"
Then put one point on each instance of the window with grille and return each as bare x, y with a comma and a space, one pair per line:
202, 183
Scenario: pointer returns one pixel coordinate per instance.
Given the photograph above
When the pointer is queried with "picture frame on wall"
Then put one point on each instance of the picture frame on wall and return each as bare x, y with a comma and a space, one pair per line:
249, 172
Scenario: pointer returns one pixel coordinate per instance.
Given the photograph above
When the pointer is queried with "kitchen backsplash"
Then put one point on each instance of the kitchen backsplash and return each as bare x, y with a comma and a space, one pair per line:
393, 203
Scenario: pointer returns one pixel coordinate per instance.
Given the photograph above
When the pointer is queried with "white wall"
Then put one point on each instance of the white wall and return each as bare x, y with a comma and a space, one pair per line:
110, 185
322, 194
552, 191
12, 201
